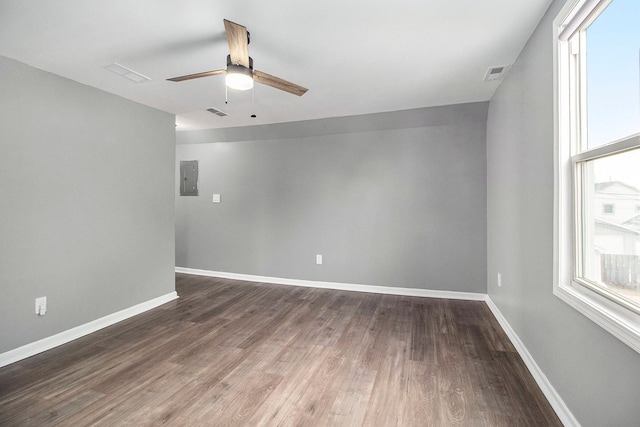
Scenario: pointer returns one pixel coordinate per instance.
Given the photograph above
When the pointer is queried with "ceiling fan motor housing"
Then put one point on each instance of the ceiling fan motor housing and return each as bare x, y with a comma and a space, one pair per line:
231, 64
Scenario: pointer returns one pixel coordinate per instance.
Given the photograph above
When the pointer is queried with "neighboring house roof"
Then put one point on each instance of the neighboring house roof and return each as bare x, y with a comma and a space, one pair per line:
617, 227
616, 187
633, 223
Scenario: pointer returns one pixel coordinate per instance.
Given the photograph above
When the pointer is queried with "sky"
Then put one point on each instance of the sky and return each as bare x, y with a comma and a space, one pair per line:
613, 85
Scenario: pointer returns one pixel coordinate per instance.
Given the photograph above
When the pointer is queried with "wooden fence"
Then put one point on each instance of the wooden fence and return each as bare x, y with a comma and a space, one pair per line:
621, 270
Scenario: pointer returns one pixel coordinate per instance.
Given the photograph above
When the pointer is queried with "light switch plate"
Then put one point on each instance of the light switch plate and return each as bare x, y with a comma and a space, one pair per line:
216, 198
41, 306
318, 259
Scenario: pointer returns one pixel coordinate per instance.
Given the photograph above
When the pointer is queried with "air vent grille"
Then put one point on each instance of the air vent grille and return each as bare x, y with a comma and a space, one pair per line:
217, 112
496, 73
127, 73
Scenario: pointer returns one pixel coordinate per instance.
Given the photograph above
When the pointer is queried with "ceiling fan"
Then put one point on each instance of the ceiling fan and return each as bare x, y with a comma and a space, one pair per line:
240, 74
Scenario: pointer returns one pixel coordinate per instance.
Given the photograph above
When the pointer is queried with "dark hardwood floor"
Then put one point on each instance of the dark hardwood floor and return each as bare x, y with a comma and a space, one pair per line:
238, 353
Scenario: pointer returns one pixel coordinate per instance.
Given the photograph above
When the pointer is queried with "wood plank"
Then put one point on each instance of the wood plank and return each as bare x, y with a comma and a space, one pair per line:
240, 353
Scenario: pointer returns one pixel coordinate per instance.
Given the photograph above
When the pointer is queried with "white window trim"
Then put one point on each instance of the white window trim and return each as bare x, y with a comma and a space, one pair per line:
610, 315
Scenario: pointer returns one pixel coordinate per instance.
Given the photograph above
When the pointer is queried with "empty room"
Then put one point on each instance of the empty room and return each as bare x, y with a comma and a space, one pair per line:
410, 213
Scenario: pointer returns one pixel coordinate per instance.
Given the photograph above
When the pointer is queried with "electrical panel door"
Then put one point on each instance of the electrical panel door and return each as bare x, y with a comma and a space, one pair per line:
189, 178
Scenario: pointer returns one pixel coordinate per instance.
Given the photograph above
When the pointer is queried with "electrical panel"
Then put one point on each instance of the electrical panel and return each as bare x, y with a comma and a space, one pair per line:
189, 178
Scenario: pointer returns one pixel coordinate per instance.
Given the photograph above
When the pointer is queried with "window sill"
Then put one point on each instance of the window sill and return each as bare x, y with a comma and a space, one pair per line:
617, 320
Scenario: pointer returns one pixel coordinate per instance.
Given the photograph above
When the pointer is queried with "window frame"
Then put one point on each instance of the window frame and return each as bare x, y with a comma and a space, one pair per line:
614, 314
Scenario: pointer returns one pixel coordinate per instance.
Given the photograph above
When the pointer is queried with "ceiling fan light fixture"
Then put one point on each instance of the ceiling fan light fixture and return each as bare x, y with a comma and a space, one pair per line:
239, 77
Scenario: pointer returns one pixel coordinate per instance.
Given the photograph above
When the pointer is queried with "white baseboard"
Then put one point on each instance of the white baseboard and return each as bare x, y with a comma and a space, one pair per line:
550, 393
64, 337
390, 290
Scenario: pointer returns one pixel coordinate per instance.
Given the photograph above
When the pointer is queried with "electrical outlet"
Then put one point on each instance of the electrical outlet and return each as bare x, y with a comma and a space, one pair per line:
499, 280
41, 306
216, 198
318, 259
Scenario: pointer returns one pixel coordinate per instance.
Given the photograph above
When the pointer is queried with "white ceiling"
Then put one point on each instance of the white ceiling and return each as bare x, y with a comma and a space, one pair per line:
355, 56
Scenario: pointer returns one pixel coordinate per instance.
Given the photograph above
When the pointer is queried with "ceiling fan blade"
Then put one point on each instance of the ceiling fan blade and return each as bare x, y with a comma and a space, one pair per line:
197, 75
278, 83
238, 43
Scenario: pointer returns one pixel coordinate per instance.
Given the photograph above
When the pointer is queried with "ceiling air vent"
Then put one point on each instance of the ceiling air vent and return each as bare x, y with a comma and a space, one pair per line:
127, 73
496, 73
217, 112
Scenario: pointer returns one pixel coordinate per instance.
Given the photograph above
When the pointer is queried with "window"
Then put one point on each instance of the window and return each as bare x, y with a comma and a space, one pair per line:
597, 112
608, 208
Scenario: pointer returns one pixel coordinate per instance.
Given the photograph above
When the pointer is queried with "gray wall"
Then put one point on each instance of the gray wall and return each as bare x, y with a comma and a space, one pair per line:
394, 199
597, 376
87, 203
